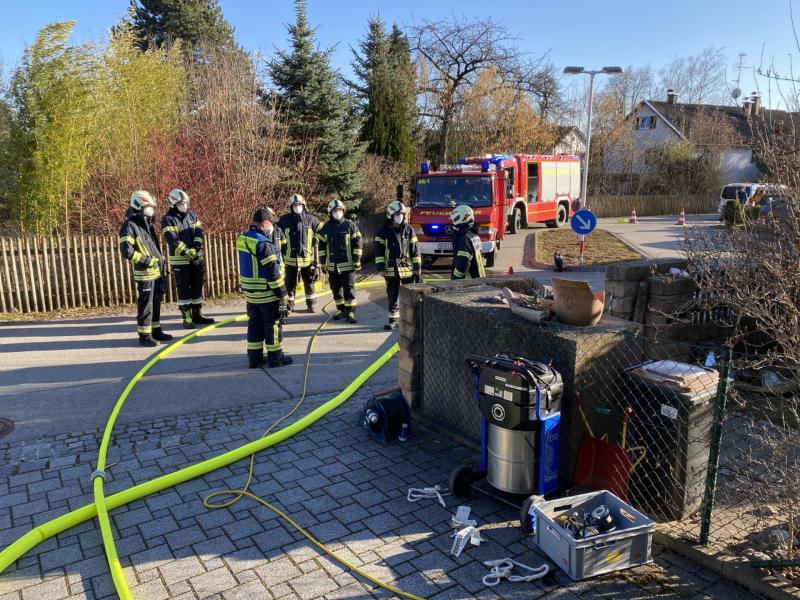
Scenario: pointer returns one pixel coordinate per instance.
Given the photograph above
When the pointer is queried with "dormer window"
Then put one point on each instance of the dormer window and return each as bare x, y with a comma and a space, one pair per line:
645, 123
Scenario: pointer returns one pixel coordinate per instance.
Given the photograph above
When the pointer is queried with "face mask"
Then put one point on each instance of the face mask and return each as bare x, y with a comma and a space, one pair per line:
398, 219
297, 208
182, 206
338, 215
268, 231
148, 211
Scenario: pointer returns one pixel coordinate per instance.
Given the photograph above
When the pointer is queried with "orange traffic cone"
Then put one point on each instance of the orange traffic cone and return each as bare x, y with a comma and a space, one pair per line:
510, 270
681, 218
633, 216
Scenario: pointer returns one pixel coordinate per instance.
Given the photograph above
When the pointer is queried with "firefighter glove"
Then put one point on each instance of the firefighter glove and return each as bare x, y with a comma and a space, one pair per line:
153, 262
191, 254
357, 266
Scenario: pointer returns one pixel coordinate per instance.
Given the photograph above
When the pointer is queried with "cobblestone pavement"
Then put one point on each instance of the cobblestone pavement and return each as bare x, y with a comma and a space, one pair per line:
347, 490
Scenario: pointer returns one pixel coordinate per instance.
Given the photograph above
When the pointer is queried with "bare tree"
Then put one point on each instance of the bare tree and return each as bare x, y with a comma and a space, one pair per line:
452, 53
699, 79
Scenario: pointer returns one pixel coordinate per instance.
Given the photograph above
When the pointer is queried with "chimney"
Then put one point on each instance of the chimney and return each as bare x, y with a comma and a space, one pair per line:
672, 96
747, 108
756, 99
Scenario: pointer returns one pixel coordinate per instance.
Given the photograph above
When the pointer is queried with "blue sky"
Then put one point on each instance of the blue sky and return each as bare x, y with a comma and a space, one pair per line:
583, 32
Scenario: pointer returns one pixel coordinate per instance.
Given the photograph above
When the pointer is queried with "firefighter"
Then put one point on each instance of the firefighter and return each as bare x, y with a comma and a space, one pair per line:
138, 243
263, 286
340, 255
397, 256
183, 232
299, 228
467, 257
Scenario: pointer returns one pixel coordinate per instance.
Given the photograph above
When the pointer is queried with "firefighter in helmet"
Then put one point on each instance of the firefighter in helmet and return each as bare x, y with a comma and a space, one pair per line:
298, 227
467, 257
138, 243
183, 232
397, 256
340, 256
262, 282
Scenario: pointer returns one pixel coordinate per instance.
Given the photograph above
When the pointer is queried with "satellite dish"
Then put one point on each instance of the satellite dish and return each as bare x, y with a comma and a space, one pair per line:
735, 93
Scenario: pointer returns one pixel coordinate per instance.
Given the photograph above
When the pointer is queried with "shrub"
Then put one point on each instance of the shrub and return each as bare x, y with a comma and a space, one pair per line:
733, 213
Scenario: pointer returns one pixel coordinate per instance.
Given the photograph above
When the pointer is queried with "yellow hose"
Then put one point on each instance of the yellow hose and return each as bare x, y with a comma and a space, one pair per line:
102, 504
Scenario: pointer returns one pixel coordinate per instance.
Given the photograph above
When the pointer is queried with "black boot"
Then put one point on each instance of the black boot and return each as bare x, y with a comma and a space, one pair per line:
147, 341
278, 359
392, 324
186, 313
255, 358
198, 317
160, 336
310, 305
339, 315
351, 317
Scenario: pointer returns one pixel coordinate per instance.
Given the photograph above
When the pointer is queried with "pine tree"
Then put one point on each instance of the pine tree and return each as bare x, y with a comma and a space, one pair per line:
318, 112
196, 22
383, 68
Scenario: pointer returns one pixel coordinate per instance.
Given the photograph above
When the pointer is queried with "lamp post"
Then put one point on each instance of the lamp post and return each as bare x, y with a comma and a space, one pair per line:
585, 182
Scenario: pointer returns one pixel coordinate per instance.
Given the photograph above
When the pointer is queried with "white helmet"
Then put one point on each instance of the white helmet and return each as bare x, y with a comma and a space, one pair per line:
395, 206
140, 199
333, 204
177, 196
462, 214
296, 199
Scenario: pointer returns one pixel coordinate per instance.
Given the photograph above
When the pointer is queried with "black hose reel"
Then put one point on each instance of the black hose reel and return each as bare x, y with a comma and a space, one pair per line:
387, 418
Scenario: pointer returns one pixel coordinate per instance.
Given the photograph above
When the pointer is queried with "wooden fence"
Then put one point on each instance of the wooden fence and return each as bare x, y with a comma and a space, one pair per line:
44, 274
648, 206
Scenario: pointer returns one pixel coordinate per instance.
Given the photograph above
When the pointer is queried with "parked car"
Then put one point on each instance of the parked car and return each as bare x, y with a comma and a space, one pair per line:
736, 191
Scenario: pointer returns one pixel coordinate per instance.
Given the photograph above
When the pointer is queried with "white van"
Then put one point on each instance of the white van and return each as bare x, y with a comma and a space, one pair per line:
729, 193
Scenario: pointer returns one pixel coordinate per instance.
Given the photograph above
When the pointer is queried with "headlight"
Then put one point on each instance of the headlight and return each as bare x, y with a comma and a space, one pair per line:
490, 231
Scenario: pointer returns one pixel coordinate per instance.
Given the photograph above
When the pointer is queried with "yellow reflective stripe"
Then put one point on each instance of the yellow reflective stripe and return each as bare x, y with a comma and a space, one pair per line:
171, 228
417, 260
465, 254
180, 248
414, 240
255, 345
198, 239
126, 239
197, 224
277, 284
137, 256
356, 234
357, 252
379, 260
380, 239
458, 273
269, 259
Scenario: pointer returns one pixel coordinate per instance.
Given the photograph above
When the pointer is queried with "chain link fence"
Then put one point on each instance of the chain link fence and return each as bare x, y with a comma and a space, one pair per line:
687, 432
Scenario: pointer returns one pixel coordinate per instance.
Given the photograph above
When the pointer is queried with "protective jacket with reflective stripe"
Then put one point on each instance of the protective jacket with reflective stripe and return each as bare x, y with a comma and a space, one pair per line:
138, 243
396, 250
467, 257
182, 232
299, 231
339, 245
259, 268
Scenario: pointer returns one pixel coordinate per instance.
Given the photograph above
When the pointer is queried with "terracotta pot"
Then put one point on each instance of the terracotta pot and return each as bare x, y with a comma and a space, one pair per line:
576, 303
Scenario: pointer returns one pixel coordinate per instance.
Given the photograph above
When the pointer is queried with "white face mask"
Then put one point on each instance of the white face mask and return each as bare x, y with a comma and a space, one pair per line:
338, 215
268, 231
398, 219
148, 211
297, 208
182, 206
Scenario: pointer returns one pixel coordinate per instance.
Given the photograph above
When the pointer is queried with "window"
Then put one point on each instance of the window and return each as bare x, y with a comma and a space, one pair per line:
645, 123
533, 182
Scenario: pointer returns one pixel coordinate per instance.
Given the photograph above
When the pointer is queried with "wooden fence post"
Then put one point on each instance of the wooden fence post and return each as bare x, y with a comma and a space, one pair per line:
30, 299
6, 271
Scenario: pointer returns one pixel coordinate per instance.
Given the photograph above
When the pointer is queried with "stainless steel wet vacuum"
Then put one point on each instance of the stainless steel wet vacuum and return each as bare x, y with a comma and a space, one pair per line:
520, 404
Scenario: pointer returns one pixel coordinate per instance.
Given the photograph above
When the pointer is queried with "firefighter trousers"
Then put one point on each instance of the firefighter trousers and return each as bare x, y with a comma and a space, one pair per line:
148, 305
393, 283
189, 281
343, 286
293, 274
263, 328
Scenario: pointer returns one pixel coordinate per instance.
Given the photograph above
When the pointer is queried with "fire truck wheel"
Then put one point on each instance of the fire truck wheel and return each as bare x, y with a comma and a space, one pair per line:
561, 216
515, 223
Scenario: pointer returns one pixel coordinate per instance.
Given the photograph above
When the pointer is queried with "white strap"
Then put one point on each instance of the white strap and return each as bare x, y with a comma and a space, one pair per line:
501, 569
416, 494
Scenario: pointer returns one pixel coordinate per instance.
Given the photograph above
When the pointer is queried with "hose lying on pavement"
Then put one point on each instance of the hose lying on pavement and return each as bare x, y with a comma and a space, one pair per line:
103, 503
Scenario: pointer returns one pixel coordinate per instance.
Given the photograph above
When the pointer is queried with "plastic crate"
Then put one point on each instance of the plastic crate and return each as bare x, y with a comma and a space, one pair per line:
626, 546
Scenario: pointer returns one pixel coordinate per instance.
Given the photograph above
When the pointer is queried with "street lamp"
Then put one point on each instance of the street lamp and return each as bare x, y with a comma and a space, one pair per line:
591, 74
585, 183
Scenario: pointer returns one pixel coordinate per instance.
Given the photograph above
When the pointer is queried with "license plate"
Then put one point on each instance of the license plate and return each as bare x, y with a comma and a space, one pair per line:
444, 247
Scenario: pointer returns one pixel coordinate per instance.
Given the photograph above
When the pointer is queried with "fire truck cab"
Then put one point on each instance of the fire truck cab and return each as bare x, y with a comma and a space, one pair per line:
509, 191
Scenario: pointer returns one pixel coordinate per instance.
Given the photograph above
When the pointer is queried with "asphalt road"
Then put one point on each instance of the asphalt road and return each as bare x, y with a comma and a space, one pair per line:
65, 376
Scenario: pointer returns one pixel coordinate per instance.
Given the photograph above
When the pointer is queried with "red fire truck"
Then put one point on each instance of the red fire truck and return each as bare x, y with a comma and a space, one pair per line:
509, 191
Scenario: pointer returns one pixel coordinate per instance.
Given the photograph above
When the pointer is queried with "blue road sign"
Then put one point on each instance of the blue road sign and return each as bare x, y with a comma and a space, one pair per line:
583, 222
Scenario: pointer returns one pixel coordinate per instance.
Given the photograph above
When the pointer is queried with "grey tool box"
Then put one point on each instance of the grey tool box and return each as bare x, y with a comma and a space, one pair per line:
626, 546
